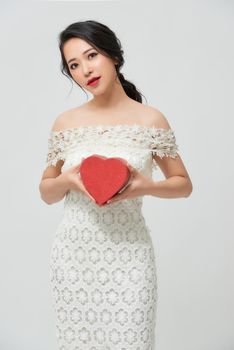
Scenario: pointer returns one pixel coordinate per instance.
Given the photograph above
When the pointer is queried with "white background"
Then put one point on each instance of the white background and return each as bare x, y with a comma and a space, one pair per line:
180, 55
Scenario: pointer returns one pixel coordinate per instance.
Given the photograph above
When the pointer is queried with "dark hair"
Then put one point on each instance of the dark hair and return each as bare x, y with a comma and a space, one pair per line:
104, 40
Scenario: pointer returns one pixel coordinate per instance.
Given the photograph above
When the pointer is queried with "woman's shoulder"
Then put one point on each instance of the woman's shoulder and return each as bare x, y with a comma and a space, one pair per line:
65, 118
156, 118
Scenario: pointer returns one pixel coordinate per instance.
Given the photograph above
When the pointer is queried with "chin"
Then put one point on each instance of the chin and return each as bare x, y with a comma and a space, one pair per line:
98, 92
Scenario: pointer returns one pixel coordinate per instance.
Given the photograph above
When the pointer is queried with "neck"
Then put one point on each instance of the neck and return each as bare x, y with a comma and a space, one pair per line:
114, 97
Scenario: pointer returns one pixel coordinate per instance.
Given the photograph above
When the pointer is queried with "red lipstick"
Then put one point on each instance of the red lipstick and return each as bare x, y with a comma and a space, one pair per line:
94, 81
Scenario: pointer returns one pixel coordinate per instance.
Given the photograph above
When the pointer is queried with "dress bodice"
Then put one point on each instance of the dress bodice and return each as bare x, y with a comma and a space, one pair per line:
135, 143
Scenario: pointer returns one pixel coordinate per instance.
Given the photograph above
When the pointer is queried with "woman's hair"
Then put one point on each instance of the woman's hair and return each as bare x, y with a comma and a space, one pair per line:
104, 40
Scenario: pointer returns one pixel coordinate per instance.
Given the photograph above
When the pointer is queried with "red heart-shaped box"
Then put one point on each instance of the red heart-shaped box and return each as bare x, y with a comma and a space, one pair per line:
103, 177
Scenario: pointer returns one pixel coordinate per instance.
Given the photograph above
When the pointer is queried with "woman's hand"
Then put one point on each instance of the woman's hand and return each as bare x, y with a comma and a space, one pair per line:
139, 185
71, 175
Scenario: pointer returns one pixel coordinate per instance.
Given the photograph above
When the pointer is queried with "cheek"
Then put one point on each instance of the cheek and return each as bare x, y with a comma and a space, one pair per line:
103, 63
76, 76
106, 69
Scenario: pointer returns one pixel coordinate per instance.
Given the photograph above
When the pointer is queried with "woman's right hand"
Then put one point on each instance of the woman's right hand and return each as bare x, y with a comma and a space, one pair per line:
71, 175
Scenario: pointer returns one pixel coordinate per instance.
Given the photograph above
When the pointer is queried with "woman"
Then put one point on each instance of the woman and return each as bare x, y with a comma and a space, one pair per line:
103, 270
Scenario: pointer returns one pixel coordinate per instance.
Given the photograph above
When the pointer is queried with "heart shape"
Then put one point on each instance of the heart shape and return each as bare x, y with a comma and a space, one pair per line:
103, 177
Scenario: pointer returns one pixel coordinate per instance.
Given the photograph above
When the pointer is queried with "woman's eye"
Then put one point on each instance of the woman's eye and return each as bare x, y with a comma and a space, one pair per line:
93, 53
72, 65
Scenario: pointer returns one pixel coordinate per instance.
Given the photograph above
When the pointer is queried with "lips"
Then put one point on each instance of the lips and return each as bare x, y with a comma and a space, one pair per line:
92, 80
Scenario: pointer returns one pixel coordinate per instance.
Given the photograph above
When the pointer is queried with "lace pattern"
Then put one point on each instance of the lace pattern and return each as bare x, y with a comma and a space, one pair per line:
158, 141
102, 264
104, 277
164, 143
57, 144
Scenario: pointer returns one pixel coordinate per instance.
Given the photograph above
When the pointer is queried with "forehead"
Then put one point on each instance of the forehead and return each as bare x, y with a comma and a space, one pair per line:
75, 47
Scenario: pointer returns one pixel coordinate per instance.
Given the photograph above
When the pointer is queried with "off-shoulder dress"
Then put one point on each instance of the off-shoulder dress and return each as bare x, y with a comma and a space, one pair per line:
102, 262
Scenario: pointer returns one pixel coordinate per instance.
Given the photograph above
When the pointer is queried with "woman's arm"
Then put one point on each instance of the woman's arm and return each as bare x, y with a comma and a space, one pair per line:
53, 189
54, 185
177, 182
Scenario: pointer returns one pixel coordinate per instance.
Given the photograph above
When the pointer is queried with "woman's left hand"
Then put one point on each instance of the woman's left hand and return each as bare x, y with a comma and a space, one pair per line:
138, 185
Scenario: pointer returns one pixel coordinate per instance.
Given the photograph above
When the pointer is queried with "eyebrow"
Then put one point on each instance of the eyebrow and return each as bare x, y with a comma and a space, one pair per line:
73, 59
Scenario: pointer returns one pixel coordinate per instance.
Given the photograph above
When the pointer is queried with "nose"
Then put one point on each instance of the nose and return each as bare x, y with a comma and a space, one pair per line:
87, 70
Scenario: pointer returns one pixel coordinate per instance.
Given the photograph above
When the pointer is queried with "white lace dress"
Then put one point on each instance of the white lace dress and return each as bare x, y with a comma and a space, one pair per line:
102, 263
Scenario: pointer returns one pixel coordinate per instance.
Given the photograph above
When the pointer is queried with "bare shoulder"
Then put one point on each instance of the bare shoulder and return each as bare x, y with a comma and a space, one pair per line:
157, 118
61, 121
65, 119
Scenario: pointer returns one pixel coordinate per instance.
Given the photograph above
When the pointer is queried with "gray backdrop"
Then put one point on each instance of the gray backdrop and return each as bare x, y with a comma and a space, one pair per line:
180, 55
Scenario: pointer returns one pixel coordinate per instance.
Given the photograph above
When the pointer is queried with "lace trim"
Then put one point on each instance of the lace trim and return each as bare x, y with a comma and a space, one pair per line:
163, 143
158, 141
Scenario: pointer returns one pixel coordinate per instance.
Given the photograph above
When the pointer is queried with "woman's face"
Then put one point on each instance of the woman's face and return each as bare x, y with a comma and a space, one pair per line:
85, 62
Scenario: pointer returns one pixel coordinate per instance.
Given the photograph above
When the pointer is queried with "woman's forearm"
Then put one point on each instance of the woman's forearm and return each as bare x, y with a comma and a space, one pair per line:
173, 187
53, 189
